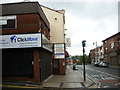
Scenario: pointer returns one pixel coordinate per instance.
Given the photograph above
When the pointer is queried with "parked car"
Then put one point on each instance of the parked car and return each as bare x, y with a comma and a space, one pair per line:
103, 64
96, 64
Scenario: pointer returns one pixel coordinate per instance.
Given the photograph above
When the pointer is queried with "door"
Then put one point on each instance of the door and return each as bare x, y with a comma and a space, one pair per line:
55, 66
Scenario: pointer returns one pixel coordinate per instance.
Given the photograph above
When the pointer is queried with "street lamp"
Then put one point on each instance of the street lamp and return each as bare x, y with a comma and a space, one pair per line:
83, 45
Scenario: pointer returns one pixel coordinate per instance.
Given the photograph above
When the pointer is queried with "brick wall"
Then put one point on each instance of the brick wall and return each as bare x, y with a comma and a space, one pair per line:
111, 52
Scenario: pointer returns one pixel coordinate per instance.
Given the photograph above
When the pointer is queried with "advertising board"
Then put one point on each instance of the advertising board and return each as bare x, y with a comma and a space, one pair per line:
20, 40
59, 51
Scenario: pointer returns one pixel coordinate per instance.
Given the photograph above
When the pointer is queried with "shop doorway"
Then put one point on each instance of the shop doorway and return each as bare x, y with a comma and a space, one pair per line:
55, 66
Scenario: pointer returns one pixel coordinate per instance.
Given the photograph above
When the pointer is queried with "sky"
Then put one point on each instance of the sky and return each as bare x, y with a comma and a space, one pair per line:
90, 20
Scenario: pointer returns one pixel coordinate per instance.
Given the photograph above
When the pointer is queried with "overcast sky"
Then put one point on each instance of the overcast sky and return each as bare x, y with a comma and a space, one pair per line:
90, 20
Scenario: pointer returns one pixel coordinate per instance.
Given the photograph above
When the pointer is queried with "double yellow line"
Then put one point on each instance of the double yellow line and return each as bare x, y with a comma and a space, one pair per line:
17, 86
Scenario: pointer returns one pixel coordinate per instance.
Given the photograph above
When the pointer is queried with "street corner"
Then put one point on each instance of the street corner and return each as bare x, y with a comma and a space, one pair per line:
95, 85
92, 83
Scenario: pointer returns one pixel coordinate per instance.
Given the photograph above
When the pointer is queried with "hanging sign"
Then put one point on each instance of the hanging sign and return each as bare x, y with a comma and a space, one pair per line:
59, 51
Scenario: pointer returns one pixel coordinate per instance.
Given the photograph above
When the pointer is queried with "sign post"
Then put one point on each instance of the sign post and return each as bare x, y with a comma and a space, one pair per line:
83, 45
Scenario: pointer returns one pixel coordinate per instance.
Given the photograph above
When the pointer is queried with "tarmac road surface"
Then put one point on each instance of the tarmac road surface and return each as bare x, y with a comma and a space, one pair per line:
108, 77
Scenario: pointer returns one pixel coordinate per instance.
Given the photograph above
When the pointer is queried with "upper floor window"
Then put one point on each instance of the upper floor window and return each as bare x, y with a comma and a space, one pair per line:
105, 50
105, 42
112, 45
119, 42
8, 22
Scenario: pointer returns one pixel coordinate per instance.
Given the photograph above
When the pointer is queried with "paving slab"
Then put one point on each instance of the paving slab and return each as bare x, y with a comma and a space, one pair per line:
53, 85
72, 85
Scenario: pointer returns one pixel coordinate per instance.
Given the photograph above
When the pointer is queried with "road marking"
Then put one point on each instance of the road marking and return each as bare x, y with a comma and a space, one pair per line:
97, 84
105, 86
95, 76
103, 73
103, 77
108, 74
117, 84
17, 86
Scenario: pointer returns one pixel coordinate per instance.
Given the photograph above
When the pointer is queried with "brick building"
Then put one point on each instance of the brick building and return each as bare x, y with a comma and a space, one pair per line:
112, 49
97, 54
92, 56
25, 42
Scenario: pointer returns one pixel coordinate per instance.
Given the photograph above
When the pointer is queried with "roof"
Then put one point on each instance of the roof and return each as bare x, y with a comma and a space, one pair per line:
59, 11
24, 8
111, 36
92, 50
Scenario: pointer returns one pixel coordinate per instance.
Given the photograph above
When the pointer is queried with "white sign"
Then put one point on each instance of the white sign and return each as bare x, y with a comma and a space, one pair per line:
7, 17
67, 42
20, 40
3, 19
3, 22
59, 51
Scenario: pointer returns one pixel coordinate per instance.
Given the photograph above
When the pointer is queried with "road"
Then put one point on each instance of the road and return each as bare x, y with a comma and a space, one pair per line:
108, 77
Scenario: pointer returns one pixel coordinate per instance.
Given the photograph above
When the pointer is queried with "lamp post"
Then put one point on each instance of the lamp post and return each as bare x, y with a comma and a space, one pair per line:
83, 45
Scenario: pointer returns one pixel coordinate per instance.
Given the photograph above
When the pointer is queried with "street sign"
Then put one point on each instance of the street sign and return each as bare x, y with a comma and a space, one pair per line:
67, 42
83, 43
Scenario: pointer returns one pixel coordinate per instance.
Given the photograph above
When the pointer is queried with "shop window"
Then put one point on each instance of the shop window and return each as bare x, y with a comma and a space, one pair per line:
8, 22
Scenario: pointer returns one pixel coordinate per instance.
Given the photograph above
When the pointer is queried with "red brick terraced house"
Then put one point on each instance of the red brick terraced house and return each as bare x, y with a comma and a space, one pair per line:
112, 50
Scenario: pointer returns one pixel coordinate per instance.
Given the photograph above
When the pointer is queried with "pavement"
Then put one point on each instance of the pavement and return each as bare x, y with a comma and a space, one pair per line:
115, 67
72, 79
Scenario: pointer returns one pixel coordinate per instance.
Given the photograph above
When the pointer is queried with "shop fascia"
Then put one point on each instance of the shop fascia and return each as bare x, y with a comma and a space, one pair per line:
25, 41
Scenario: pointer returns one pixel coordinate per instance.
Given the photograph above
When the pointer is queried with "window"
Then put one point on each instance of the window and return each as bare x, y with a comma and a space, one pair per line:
7, 22
105, 42
112, 45
106, 49
119, 42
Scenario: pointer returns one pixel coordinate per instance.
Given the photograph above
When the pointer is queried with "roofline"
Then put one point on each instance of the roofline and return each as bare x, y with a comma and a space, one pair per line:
92, 49
35, 9
111, 36
19, 2
52, 9
58, 11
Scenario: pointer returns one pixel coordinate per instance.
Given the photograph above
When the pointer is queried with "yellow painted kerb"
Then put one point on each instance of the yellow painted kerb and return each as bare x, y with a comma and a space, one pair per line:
17, 86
